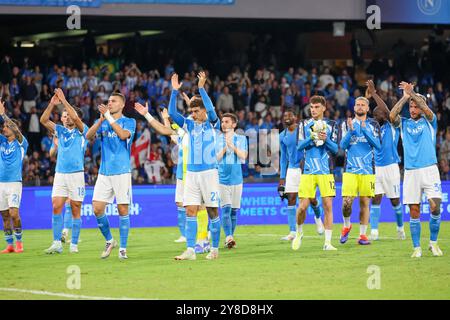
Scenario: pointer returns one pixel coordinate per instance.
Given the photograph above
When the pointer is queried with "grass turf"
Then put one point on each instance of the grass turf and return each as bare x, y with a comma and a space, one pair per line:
262, 267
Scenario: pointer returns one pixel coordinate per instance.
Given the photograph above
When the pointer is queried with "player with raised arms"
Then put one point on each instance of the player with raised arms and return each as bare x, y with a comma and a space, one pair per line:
114, 179
318, 139
13, 147
69, 173
202, 181
421, 171
360, 138
387, 171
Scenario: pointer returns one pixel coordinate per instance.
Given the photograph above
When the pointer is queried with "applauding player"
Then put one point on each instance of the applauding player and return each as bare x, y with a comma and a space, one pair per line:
421, 172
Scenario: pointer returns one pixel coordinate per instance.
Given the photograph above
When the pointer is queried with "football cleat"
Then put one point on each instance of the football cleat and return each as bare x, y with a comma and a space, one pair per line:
9, 249
328, 247
123, 254
213, 254
65, 237
319, 226
374, 236
54, 248
297, 242
230, 243
363, 240
19, 247
181, 239
189, 254
344, 234
417, 253
289, 237
73, 248
401, 235
435, 250
108, 248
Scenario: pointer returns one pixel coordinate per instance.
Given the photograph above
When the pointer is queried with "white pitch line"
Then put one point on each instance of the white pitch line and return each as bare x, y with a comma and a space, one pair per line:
65, 295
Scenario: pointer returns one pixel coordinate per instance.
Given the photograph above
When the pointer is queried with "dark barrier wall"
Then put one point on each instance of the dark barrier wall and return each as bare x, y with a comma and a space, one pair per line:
153, 206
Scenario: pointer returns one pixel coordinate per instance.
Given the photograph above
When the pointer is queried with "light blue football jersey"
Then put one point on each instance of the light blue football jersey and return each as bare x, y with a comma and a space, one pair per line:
71, 148
115, 152
230, 166
359, 146
388, 153
419, 142
290, 157
11, 159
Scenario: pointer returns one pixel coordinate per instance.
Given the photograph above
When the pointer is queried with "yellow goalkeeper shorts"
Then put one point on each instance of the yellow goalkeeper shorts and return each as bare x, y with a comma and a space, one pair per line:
358, 184
309, 182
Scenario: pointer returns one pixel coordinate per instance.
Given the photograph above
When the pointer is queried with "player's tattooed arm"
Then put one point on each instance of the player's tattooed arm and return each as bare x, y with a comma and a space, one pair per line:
160, 128
45, 117
394, 115
371, 90
420, 102
10, 124
70, 110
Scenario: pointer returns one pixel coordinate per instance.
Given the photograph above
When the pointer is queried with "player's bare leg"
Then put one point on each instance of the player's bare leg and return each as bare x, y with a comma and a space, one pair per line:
213, 214
103, 224
301, 217
7, 228
191, 233
328, 222
364, 212
346, 212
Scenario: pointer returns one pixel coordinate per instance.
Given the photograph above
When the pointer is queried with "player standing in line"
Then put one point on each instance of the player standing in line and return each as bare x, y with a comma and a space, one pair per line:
290, 173
114, 178
67, 208
202, 180
360, 136
421, 172
69, 176
318, 138
231, 152
387, 171
177, 135
13, 147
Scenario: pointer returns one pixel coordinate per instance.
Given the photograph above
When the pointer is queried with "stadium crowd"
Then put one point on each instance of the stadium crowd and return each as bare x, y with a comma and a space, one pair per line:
257, 97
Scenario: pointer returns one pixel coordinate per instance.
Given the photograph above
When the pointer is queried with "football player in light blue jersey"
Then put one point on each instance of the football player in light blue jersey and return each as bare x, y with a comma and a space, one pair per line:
68, 221
387, 171
69, 173
421, 172
360, 137
290, 173
231, 151
114, 179
202, 180
13, 147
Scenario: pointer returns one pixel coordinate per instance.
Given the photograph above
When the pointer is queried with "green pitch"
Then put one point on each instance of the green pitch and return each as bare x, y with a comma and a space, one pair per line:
262, 267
